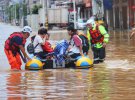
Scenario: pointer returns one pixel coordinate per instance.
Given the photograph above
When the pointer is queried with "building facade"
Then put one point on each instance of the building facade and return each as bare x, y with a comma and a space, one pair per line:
3, 5
122, 14
84, 8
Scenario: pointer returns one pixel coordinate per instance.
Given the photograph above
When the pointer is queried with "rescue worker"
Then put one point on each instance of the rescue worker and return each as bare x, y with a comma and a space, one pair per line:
98, 38
14, 44
101, 22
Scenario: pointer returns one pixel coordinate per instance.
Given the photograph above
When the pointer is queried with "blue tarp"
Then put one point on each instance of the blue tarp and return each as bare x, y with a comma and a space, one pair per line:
60, 50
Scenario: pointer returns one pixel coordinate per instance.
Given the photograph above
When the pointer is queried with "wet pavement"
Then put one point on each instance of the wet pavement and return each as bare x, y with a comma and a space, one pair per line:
111, 80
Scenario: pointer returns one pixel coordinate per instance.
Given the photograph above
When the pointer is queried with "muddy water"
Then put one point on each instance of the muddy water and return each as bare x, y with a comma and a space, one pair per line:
111, 80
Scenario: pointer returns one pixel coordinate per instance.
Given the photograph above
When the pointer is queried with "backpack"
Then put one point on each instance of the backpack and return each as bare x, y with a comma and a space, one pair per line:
85, 43
30, 47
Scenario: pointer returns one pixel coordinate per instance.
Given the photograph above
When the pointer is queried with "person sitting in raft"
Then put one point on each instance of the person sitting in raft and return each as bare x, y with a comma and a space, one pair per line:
38, 41
75, 44
47, 46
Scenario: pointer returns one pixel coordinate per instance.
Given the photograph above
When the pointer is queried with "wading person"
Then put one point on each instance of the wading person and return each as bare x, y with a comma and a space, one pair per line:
98, 38
14, 44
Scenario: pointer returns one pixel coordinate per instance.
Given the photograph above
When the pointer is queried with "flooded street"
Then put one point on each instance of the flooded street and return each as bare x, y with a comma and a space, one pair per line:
112, 80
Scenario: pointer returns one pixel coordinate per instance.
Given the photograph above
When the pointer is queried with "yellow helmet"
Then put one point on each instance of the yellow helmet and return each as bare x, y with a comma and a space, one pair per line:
100, 22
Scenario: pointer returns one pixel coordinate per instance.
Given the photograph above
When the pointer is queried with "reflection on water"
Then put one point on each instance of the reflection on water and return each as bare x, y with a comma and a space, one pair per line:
68, 84
111, 80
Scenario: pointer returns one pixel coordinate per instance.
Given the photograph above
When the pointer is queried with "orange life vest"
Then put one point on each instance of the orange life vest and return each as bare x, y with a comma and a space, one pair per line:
11, 45
96, 36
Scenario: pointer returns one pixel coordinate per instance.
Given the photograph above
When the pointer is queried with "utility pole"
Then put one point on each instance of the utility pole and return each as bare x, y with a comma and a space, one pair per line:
43, 11
15, 12
46, 24
74, 7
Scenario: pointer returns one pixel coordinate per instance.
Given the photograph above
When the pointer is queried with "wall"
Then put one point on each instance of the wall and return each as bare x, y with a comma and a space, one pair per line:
33, 21
42, 17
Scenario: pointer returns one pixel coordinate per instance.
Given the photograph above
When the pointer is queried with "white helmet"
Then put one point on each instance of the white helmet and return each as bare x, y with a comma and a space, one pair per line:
27, 29
91, 21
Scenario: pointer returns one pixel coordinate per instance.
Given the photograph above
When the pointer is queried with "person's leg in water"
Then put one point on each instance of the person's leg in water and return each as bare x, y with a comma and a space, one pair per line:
14, 60
102, 54
95, 54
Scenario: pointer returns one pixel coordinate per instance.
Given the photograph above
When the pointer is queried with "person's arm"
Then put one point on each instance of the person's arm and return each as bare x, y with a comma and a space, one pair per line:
19, 42
24, 53
88, 36
105, 34
132, 33
41, 40
78, 43
44, 40
81, 51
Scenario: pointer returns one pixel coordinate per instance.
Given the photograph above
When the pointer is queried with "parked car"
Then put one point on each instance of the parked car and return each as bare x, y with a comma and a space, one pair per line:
81, 24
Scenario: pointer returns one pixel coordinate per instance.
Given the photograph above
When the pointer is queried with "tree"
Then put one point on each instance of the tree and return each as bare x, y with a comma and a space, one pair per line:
35, 9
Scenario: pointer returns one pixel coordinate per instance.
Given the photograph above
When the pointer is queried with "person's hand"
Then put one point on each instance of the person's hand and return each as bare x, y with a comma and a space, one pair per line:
28, 58
69, 48
131, 35
104, 45
82, 54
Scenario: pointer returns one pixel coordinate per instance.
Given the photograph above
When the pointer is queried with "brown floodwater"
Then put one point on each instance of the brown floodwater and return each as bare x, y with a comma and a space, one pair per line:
112, 80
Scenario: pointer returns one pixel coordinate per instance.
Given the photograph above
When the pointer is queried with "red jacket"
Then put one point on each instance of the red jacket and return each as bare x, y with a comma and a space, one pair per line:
47, 47
10, 44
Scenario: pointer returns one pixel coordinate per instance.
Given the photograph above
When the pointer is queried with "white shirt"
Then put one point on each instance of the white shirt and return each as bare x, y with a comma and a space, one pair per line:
74, 48
37, 40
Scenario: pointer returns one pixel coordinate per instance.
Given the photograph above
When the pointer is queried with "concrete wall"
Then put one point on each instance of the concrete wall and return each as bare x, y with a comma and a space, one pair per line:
41, 16
29, 19
33, 21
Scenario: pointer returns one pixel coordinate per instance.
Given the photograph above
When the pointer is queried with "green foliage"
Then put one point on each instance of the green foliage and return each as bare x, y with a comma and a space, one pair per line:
35, 9
12, 9
17, 11
24, 10
40, 6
